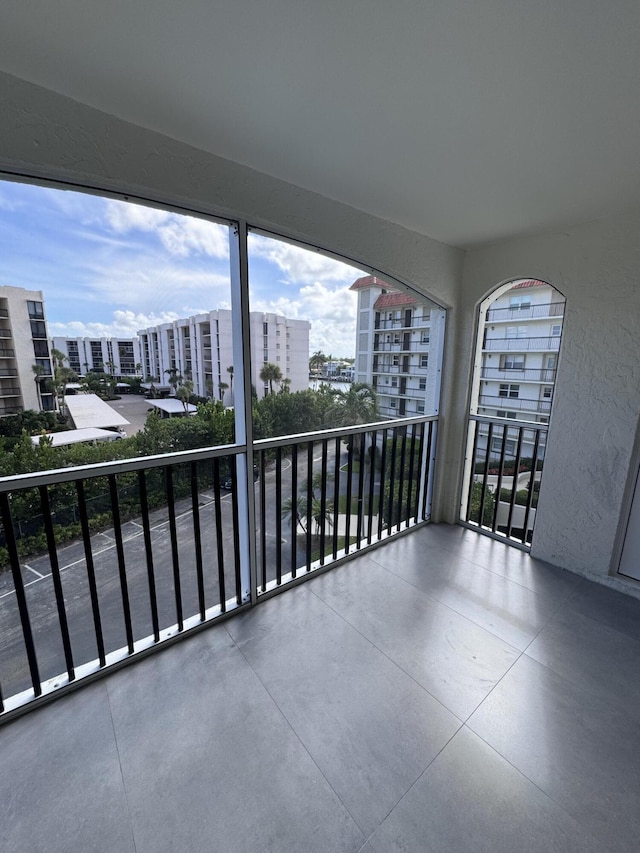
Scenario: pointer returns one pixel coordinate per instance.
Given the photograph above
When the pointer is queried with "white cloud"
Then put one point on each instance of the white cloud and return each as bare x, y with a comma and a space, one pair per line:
181, 235
299, 265
125, 324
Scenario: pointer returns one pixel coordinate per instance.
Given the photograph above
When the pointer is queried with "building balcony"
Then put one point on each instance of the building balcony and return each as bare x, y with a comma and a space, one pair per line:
7, 353
526, 374
548, 344
415, 323
5, 334
514, 404
4, 313
531, 312
425, 693
9, 390
401, 346
8, 372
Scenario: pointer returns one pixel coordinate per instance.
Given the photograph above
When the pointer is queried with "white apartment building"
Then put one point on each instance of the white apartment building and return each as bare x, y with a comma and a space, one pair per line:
517, 354
23, 346
200, 348
117, 356
399, 339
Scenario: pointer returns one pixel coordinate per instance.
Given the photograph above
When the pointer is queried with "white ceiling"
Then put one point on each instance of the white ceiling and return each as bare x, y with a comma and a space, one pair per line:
466, 120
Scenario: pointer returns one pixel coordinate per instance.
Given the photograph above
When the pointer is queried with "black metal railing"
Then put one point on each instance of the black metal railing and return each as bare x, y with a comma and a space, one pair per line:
542, 344
104, 562
519, 374
504, 401
401, 323
503, 471
525, 312
401, 346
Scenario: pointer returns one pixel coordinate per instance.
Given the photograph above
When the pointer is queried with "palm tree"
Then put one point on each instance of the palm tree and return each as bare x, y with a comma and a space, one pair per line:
222, 387
271, 373
317, 360
285, 386
38, 378
183, 392
297, 508
358, 405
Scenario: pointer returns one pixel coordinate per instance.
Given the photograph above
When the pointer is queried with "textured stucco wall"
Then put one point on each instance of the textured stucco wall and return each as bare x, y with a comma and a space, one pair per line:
590, 454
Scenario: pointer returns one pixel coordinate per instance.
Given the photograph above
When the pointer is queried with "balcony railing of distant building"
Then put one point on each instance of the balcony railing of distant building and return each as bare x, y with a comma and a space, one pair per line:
490, 401
525, 374
403, 323
5, 334
503, 470
8, 372
548, 344
193, 537
4, 313
7, 353
401, 346
528, 312
9, 391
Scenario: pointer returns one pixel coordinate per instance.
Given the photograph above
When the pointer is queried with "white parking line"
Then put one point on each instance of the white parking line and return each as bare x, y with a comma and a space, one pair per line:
30, 569
95, 553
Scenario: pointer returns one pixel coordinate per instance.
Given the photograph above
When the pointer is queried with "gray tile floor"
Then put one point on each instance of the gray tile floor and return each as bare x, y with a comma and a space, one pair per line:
443, 693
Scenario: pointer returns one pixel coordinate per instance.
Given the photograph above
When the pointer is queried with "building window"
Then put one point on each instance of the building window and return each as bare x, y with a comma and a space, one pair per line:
423, 383
393, 404
38, 329
394, 381
509, 448
425, 337
547, 392
424, 361
556, 330
420, 408
35, 309
41, 349
396, 360
265, 328
512, 391
517, 331
512, 361
518, 302
501, 414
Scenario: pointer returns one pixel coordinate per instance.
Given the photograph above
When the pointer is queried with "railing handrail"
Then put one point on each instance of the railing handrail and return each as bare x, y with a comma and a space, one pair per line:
508, 422
542, 309
161, 460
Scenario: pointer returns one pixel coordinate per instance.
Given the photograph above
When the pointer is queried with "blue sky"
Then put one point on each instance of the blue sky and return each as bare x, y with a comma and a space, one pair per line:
109, 267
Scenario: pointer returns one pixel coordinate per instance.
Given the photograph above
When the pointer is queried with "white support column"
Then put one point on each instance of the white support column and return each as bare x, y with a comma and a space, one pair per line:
240, 323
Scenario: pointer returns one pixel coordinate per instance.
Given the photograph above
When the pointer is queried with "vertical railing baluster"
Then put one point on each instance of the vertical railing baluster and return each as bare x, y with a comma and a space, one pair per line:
1, 700
294, 510
392, 478
21, 598
336, 497
197, 538
427, 471
148, 552
410, 483
514, 491
57, 582
383, 480
534, 463
323, 500
117, 532
91, 572
263, 521
309, 503
496, 503
360, 503
372, 480
472, 475
347, 531
173, 533
217, 494
236, 528
278, 509
403, 461
485, 478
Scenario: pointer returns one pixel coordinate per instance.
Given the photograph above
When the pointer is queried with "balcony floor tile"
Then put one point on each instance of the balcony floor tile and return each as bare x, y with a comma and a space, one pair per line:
457, 661
209, 762
441, 692
369, 727
470, 800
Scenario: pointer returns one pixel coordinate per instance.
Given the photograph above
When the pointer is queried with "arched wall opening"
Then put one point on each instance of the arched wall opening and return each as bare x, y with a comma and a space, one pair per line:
516, 352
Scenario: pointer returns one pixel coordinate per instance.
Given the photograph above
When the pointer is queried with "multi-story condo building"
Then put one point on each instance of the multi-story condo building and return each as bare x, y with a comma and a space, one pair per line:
25, 359
399, 339
200, 348
517, 355
118, 356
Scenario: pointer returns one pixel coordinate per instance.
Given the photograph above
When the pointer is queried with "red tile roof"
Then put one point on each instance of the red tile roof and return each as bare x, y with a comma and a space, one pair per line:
532, 282
393, 300
368, 281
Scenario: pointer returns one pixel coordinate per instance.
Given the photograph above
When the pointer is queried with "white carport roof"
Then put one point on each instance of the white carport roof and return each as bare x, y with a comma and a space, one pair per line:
173, 406
88, 410
75, 436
